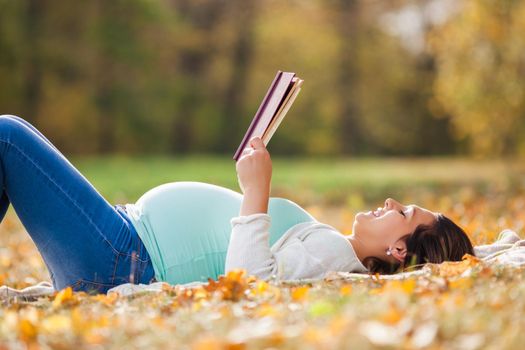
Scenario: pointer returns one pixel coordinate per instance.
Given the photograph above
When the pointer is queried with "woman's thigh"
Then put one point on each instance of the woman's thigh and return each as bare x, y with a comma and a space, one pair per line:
80, 235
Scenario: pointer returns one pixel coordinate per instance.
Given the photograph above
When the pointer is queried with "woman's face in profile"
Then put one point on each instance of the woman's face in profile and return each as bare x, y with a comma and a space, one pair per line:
383, 228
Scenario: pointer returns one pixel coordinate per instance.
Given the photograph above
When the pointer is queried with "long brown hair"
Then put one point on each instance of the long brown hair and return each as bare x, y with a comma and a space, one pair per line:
441, 241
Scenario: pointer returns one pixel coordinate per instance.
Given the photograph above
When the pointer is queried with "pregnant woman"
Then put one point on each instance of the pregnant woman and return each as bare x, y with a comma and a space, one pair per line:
188, 231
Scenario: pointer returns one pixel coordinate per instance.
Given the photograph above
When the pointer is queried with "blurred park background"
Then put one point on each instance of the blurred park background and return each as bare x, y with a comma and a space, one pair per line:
141, 92
404, 77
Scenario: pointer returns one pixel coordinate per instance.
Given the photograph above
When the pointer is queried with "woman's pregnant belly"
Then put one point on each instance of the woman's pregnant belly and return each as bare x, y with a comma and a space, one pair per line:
186, 227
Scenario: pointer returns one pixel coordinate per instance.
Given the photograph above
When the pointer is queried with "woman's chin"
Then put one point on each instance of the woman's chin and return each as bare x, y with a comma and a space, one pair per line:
362, 222
363, 215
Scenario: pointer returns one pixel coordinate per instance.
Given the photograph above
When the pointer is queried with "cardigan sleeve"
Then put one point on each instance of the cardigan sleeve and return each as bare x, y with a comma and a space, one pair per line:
249, 246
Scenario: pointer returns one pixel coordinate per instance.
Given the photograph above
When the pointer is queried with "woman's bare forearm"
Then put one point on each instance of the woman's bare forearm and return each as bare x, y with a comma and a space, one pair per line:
255, 201
254, 172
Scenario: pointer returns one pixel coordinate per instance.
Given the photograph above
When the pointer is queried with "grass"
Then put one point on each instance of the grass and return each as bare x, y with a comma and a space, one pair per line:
336, 180
443, 310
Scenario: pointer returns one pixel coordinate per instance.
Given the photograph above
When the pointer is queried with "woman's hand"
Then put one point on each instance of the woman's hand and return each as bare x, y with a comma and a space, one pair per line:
254, 172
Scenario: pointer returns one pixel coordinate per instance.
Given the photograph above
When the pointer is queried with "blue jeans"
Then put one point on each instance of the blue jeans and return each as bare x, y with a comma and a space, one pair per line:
85, 242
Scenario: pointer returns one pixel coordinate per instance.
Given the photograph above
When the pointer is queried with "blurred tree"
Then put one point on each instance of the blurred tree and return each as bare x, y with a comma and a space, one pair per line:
298, 36
34, 12
110, 32
481, 65
396, 86
187, 76
10, 33
243, 15
348, 24
122, 59
200, 18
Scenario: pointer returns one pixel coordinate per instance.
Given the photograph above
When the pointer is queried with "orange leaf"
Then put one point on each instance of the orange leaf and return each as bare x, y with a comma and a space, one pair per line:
392, 316
27, 330
63, 296
346, 289
461, 283
300, 293
266, 310
454, 268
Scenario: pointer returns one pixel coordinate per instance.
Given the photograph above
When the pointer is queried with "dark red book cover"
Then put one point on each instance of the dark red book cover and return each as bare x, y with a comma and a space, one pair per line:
270, 104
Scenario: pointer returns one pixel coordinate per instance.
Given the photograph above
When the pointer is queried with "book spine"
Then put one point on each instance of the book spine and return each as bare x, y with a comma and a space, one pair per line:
258, 114
276, 98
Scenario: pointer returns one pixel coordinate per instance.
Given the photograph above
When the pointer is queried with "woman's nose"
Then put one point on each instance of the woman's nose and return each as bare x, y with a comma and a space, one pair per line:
392, 203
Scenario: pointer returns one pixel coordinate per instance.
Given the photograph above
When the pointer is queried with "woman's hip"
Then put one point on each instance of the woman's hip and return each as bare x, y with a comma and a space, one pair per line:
100, 264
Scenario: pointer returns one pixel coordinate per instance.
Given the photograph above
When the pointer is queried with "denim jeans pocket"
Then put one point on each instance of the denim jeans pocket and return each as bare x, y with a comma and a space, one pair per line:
132, 269
127, 269
91, 287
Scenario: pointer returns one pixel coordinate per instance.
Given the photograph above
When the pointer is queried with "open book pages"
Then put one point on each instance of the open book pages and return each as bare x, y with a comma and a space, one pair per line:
283, 109
273, 108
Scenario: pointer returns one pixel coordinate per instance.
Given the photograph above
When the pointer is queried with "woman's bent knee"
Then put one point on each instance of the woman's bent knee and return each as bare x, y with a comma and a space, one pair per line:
11, 127
10, 116
13, 117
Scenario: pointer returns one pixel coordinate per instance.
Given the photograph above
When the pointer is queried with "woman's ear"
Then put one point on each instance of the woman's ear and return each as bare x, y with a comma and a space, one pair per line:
399, 251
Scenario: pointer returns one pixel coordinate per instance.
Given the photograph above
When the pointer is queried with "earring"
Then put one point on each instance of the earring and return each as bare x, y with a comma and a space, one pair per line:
389, 251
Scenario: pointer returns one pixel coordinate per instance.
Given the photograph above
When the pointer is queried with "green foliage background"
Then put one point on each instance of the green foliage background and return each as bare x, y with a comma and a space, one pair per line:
181, 76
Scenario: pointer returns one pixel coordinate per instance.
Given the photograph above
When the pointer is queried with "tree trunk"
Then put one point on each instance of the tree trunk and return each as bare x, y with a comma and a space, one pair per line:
204, 17
235, 96
104, 80
33, 72
348, 28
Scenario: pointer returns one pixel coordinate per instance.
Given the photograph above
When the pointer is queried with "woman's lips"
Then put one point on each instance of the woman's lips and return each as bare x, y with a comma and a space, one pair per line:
376, 213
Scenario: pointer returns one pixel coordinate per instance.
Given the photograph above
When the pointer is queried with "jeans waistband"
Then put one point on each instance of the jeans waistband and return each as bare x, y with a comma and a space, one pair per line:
121, 206
121, 209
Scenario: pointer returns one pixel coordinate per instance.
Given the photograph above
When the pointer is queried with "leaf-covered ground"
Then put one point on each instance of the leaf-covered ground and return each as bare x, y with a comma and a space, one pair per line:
443, 310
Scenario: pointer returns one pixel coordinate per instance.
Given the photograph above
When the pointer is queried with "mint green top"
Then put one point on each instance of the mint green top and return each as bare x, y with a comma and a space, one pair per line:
185, 227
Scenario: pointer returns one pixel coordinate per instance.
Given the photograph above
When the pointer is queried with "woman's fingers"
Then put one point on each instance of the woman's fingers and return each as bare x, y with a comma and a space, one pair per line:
246, 151
257, 143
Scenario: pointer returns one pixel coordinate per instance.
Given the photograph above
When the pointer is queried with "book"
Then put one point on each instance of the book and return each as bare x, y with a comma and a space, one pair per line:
278, 99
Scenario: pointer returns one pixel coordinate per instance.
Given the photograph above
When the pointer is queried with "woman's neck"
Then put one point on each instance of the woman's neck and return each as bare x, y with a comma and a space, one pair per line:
359, 248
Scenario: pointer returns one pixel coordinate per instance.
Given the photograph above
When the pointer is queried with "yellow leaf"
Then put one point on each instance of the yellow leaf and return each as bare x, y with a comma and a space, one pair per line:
56, 324
346, 289
200, 293
312, 335
376, 291
459, 300
265, 290
408, 286
300, 293
27, 330
262, 286
196, 306
207, 343
5, 261
338, 325
266, 310
94, 338
109, 299
64, 295
236, 274
392, 316
471, 259
454, 268
461, 283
